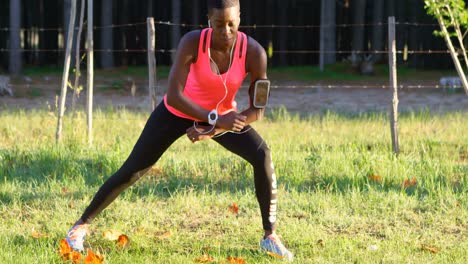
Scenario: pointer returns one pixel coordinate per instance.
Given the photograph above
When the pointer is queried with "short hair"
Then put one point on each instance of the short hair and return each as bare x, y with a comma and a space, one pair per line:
221, 4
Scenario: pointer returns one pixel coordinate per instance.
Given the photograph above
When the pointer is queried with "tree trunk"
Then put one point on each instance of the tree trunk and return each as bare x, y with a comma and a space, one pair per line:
107, 45
283, 32
414, 33
378, 29
66, 20
327, 33
175, 32
196, 12
359, 12
15, 40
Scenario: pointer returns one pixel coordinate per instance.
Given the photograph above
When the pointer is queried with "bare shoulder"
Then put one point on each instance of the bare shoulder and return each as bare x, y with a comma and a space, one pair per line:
256, 55
256, 58
188, 45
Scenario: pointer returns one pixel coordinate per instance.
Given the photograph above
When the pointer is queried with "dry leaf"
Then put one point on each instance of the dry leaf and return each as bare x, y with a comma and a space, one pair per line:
37, 235
65, 190
457, 204
408, 183
93, 258
205, 258
375, 178
122, 240
111, 235
320, 242
67, 253
234, 208
431, 249
164, 235
234, 260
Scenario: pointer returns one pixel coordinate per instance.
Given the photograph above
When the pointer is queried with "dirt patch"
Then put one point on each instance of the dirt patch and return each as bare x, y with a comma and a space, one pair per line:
304, 100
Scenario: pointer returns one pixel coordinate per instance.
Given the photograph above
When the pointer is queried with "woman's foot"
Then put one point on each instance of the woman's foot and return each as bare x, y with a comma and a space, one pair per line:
76, 235
273, 247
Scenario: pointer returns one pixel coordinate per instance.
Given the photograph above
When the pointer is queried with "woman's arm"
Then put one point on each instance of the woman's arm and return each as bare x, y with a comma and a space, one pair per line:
256, 65
185, 56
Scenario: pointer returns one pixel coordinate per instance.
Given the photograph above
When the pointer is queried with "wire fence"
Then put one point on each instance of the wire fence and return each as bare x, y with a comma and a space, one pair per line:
254, 26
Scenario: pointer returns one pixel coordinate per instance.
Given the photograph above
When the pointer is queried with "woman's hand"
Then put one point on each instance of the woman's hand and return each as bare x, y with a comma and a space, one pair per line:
232, 121
203, 133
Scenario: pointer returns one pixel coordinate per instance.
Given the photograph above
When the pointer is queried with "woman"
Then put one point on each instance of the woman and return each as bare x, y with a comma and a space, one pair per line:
208, 70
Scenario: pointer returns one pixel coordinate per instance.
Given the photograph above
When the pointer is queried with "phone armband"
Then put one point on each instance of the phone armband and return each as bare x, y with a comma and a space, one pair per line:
261, 93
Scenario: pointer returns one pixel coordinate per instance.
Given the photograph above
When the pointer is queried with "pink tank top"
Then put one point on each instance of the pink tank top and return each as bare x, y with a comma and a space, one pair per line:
204, 87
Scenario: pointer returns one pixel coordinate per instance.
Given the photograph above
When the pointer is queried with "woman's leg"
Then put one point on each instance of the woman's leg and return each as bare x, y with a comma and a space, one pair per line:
252, 148
161, 130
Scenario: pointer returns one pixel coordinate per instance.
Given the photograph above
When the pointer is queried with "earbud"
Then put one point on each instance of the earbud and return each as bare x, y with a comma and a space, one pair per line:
209, 23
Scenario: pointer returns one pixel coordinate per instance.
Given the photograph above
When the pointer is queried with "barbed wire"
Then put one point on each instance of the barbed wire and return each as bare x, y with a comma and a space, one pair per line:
274, 51
170, 23
311, 86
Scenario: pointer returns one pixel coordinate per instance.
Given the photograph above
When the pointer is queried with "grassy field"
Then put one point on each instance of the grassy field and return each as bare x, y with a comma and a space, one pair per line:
344, 198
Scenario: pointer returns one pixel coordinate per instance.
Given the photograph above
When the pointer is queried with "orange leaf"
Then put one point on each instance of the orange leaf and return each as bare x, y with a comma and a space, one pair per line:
375, 178
234, 208
234, 260
122, 240
408, 183
37, 235
431, 249
205, 258
67, 253
164, 235
93, 258
111, 235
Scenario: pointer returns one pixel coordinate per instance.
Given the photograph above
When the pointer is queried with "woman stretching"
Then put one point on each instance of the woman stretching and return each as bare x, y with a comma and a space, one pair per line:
208, 70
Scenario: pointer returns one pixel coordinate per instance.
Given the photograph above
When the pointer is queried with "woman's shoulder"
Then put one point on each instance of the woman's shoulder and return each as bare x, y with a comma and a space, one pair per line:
189, 44
256, 54
254, 48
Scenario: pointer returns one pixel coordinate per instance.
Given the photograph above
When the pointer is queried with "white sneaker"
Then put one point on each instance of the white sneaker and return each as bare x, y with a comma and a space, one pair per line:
76, 235
273, 247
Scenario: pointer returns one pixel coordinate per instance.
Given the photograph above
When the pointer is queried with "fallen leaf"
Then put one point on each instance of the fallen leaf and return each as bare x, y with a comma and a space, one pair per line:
67, 253
37, 235
234, 260
164, 235
65, 190
93, 258
429, 248
321, 242
205, 258
408, 183
375, 178
111, 235
122, 240
457, 204
234, 208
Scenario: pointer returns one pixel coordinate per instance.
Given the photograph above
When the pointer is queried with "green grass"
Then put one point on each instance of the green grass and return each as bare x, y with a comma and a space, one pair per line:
323, 165
343, 71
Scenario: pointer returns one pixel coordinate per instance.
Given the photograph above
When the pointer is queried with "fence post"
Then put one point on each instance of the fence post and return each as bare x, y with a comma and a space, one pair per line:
90, 73
393, 84
66, 69
151, 62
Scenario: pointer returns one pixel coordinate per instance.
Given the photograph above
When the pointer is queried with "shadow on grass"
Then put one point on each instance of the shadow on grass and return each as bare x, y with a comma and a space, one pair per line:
39, 170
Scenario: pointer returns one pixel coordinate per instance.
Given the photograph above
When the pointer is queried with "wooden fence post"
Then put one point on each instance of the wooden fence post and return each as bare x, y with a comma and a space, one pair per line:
151, 62
66, 69
90, 73
393, 84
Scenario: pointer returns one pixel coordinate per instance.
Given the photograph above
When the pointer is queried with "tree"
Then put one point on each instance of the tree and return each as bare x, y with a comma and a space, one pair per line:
359, 12
453, 18
15, 40
175, 31
107, 36
327, 33
378, 28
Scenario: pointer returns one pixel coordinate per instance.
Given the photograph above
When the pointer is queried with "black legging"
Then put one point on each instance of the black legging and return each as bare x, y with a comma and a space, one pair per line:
161, 130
